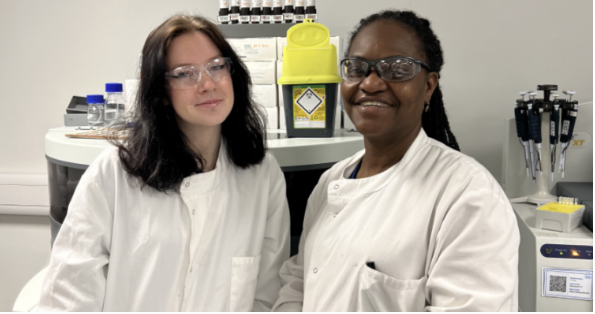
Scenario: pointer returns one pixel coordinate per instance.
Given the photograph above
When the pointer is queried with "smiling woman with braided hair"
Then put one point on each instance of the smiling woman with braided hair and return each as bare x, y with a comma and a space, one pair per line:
409, 223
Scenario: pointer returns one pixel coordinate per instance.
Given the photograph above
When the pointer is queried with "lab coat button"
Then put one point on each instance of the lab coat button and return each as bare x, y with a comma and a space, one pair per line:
315, 270
190, 269
336, 187
193, 211
187, 184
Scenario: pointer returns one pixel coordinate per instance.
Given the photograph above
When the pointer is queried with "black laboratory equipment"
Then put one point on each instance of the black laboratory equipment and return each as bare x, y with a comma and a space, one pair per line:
529, 117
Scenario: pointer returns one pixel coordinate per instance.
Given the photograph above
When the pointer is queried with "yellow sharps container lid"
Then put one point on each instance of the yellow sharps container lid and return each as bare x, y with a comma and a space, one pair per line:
309, 57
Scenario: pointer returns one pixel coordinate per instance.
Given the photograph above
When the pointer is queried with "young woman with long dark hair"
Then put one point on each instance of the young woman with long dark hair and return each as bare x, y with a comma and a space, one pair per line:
189, 212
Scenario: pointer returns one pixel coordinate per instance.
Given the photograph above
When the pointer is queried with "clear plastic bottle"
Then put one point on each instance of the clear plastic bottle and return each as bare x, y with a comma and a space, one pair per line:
115, 105
95, 116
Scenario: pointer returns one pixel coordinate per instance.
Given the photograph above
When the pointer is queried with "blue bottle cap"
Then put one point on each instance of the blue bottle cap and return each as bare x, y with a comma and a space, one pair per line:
113, 87
95, 99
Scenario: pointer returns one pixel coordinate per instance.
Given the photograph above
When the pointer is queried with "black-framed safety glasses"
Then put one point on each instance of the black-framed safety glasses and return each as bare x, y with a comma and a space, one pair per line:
391, 69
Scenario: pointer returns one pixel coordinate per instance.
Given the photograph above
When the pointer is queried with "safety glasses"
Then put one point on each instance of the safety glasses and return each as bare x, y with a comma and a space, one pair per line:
391, 69
189, 76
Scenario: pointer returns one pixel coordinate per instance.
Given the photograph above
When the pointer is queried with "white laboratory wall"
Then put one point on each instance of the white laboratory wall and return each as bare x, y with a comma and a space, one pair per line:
52, 50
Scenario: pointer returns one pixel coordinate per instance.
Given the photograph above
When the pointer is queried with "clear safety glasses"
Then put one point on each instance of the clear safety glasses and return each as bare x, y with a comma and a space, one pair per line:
391, 69
189, 76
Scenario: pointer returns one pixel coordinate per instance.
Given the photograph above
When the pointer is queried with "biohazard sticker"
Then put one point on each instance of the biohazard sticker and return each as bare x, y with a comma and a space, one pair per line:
309, 107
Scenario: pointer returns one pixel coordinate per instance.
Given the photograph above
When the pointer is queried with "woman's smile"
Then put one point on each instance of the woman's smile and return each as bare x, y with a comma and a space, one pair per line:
209, 104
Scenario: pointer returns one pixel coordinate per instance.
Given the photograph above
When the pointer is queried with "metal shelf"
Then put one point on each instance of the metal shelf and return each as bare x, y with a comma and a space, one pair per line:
254, 30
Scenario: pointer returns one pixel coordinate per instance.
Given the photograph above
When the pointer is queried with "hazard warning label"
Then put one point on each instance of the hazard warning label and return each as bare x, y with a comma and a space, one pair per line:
309, 105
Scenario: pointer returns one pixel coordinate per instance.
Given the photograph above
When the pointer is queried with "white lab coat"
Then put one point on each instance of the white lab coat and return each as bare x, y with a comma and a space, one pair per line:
438, 227
215, 246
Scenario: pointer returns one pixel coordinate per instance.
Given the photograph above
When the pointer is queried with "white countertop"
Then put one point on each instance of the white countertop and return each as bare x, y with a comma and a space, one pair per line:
289, 152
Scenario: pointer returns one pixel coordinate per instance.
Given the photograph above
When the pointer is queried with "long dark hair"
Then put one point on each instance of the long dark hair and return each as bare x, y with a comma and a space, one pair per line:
156, 151
434, 121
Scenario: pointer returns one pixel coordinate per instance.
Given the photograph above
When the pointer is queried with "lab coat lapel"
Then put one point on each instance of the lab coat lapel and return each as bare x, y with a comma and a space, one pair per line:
215, 213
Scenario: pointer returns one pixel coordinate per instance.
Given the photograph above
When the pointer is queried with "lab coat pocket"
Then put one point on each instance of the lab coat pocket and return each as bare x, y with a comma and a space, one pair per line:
381, 293
244, 274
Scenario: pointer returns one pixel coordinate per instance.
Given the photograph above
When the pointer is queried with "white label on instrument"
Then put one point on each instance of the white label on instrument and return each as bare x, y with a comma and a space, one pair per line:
266, 18
266, 3
552, 128
235, 3
310, 3
223, 4
573, 113
223, 18
299, 17
244, 18
256, 3
567, 283
245, 4
288, 16
255, 18
234, 16
288, 2
299, 3
581, 140
313, 17
565, 126
278, 18
277, 3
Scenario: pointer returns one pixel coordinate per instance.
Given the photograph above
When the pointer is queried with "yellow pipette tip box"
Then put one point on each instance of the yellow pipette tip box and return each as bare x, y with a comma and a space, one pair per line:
559, 217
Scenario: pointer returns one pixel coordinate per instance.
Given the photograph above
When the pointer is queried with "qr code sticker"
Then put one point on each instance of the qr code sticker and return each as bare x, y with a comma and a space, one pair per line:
558, 283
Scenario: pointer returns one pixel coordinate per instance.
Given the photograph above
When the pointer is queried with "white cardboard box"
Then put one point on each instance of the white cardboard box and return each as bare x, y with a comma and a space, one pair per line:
282, 122
281, 108
272, 117
336, 40
347, 124
265, 95
262, 71
338, 112
279, 69
254, 48
281, 42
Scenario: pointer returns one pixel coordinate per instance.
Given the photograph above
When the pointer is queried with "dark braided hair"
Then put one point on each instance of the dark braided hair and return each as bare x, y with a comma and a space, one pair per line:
434, 121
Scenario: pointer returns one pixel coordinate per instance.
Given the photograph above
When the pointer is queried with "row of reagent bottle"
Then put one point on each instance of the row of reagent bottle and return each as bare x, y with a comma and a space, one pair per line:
109, 111
266, 11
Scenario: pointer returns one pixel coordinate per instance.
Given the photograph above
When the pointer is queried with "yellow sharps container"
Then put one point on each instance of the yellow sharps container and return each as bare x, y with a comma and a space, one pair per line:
310, 78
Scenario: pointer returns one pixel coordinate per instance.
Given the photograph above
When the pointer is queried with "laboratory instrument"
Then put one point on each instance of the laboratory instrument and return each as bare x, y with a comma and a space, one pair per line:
554, 121
555, 268
569, 115
522, 127
543, 115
